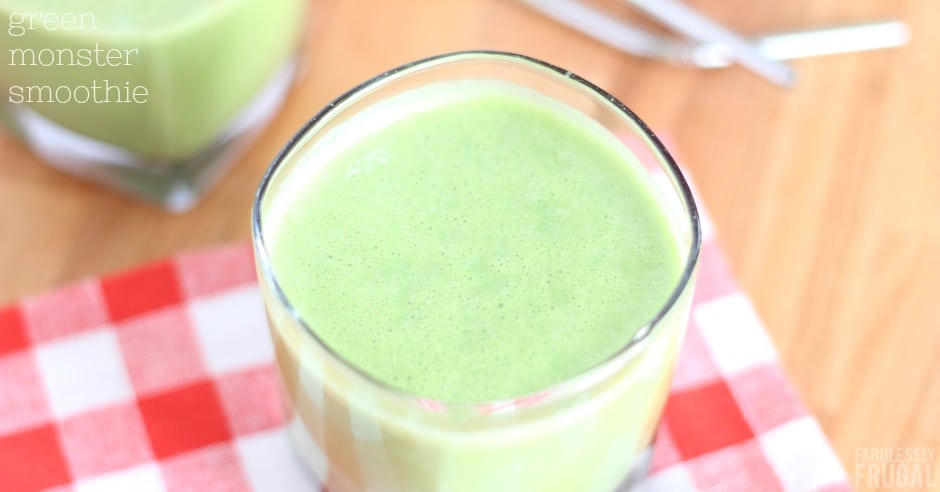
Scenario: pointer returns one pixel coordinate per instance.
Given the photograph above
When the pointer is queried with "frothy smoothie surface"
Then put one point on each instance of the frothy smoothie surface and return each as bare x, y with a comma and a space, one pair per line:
472, 241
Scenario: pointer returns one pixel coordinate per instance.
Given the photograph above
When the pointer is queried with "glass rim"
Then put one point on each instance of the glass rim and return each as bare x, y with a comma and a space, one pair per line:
582, 380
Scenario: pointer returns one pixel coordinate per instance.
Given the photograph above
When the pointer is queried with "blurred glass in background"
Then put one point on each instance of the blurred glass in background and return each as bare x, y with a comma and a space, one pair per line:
151, 98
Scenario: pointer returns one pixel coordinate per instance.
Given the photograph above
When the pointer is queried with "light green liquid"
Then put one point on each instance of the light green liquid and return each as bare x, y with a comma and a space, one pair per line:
200, 60
486, 246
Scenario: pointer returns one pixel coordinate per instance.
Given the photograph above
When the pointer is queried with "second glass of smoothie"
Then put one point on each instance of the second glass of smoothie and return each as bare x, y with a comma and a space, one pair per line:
473, 283
151, 98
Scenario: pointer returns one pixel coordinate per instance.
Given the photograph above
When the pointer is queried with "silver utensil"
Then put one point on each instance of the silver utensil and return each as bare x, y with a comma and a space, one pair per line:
788, 45
694, 26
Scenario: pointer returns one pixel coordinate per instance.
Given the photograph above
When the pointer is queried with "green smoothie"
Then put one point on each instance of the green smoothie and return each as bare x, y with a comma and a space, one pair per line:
163, 79
470, 244
484, 248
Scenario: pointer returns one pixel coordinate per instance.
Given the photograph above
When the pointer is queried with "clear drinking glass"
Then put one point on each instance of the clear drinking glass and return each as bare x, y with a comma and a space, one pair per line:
589, 433
152, 99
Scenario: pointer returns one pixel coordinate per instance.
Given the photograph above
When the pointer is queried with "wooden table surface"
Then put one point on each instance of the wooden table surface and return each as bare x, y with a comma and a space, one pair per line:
826, 197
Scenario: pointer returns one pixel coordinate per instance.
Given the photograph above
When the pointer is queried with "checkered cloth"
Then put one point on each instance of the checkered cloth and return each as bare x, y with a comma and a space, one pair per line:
161, 378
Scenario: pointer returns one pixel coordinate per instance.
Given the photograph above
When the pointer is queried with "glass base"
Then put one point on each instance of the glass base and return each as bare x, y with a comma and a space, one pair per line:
638, 473
176, 186
316, 464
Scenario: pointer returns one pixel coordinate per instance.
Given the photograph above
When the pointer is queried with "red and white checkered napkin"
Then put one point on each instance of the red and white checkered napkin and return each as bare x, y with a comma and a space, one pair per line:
161, 378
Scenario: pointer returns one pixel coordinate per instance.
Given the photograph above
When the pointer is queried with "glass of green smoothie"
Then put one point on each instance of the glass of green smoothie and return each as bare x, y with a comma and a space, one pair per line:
473, 283
153, 98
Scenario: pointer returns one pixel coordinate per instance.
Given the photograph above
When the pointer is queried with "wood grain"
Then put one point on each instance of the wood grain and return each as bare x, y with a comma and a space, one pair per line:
826, 197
